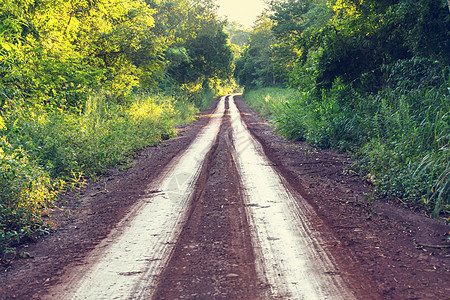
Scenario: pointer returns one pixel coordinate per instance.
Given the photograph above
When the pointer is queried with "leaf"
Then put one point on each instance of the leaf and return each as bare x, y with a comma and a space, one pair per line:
6, 46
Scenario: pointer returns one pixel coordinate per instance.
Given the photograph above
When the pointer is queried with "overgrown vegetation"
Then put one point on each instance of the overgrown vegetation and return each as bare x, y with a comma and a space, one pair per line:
84, 84
369, 77
26, 190
401, 138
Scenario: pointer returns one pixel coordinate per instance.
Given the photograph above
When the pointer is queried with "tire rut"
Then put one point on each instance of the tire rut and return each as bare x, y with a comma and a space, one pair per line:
127, 263
214, 257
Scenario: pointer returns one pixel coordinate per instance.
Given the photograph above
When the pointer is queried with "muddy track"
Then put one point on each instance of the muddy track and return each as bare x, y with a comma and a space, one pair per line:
228, 210
214, 258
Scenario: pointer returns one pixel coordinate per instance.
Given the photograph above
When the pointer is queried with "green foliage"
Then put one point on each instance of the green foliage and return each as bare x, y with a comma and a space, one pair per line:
104, 135
256, 67
361, 37
239, 36
400, 137
280, 105
197, 47
25, 190
208, 56
317, 41
55, 52
269, 101
409, 156
415, 73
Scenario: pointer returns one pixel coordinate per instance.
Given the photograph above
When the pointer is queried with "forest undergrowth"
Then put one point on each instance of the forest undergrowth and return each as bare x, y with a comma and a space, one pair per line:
399, 136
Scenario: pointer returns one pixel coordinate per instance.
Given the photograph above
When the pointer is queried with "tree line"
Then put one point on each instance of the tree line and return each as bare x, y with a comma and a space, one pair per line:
55, 53
320, 41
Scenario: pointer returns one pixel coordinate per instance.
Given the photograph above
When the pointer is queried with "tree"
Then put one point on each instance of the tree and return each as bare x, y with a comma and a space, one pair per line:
363, 36
256, 67
197, 46
55, 52
239, 36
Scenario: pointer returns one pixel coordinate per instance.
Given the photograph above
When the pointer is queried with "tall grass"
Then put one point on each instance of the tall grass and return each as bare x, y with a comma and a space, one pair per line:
408, 150
268, 101
400, 136
279, 106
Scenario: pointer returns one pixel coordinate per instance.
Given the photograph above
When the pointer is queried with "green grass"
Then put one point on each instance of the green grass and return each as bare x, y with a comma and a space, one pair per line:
399, 136
26, 191
268, 101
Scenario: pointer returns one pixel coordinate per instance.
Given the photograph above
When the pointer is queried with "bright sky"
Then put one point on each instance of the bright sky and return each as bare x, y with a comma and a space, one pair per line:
242, 11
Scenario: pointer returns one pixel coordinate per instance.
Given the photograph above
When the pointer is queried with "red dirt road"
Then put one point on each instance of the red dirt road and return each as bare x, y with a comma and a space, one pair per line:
376, 248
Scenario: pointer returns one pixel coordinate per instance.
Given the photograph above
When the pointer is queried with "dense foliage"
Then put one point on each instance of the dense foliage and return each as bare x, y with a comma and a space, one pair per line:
84, 84
370, 77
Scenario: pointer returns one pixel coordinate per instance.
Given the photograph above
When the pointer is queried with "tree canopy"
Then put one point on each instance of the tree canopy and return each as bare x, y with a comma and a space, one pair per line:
352, 39
54, 53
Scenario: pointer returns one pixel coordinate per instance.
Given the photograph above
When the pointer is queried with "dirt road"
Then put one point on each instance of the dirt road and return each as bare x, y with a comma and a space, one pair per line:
289, 259
230, 211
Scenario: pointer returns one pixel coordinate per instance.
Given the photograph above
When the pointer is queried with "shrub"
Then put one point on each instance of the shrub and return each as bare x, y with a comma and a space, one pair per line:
400, 136
25, 191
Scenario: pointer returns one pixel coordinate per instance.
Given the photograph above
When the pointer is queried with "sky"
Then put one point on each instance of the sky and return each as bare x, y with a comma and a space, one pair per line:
241, 11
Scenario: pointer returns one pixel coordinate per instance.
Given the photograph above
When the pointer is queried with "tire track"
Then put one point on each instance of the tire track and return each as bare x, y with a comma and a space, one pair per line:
126, 265
289, 254
214, 257
220, 223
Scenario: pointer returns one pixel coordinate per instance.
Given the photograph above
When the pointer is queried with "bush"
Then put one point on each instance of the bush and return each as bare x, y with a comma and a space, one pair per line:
25, 191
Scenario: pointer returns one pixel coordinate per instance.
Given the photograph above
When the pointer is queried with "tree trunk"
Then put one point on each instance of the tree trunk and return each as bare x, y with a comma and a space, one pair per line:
273, 75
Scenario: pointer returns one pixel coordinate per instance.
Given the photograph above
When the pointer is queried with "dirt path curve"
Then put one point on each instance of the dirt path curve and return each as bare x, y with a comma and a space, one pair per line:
288, 260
